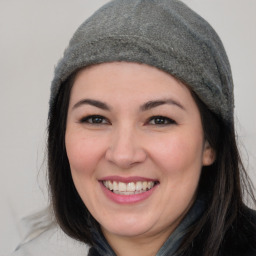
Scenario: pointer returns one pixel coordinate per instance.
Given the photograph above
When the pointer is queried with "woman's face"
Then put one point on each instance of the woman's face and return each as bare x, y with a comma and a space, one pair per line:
136, 147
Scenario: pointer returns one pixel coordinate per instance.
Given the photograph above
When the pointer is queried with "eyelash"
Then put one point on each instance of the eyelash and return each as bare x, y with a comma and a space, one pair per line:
94, 120
101, 120
161, 120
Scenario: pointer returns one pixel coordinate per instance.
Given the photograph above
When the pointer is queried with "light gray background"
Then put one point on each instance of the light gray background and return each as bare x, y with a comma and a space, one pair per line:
33, 36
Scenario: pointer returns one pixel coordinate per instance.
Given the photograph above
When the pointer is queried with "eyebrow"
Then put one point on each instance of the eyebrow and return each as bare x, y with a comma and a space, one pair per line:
95, 103
146, 106
155, 103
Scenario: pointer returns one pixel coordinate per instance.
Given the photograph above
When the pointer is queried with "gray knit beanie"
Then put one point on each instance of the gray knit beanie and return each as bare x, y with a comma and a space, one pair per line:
162, 33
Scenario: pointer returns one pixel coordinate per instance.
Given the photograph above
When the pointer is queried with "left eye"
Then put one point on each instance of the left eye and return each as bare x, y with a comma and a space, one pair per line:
160, 120
94, 119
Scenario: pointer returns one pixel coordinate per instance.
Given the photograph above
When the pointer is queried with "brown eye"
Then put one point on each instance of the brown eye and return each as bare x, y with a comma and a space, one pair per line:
161, 120
94, 119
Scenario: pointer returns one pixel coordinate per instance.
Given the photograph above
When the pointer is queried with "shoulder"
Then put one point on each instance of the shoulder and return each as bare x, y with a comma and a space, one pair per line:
51, 242
241, 237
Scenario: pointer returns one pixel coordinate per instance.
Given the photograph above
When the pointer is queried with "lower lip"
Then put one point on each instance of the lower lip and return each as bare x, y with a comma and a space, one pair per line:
127, 199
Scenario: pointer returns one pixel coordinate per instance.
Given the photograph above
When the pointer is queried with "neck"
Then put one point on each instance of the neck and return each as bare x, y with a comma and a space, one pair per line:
162, 243
137, 245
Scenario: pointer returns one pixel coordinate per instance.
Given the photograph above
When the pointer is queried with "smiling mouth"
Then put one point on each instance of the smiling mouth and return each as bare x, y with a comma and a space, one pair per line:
130, 188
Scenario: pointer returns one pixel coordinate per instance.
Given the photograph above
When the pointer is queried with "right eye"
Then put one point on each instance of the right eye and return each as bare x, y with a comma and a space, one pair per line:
94, 119
161, 121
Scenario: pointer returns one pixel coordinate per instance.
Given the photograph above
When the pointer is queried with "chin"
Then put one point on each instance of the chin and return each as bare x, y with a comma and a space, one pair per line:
129, 228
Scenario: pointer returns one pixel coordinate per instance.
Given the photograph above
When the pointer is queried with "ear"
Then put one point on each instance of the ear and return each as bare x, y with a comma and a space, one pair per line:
209, 154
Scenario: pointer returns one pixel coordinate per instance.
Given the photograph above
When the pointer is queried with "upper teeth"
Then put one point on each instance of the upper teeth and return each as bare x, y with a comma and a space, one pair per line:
128, 188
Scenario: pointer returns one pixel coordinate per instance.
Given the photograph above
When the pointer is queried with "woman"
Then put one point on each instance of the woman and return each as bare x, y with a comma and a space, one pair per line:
142, 153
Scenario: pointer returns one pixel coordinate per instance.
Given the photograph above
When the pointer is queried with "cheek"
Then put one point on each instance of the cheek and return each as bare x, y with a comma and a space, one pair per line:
83, 153
180, 162
179, 154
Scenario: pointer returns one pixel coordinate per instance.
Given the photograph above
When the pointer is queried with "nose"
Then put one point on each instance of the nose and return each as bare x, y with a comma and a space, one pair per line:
125, 148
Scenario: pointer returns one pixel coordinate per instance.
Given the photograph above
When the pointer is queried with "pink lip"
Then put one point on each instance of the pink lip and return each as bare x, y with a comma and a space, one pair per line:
127, 199
126, 179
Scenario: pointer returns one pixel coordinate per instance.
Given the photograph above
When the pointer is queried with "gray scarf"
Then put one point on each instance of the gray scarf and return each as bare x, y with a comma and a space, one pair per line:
169, 248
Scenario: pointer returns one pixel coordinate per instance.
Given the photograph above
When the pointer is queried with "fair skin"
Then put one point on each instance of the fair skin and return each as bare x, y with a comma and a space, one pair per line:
131, 125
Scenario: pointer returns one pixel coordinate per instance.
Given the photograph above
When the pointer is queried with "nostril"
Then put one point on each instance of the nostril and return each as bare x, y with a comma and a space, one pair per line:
125, 157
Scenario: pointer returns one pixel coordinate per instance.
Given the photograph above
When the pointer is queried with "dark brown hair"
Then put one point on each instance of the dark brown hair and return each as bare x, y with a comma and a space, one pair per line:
222, 182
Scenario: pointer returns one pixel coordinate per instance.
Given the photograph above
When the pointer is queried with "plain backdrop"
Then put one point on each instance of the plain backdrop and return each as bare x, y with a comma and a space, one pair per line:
34, 35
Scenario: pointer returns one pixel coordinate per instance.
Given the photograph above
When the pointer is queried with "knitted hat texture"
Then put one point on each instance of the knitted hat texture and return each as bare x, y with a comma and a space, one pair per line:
162, 33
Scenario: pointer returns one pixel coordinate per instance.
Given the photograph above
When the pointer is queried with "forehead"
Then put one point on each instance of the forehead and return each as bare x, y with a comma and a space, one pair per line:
119, 79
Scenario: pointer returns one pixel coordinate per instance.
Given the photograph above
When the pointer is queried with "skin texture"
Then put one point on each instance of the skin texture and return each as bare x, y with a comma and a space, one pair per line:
126, 141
